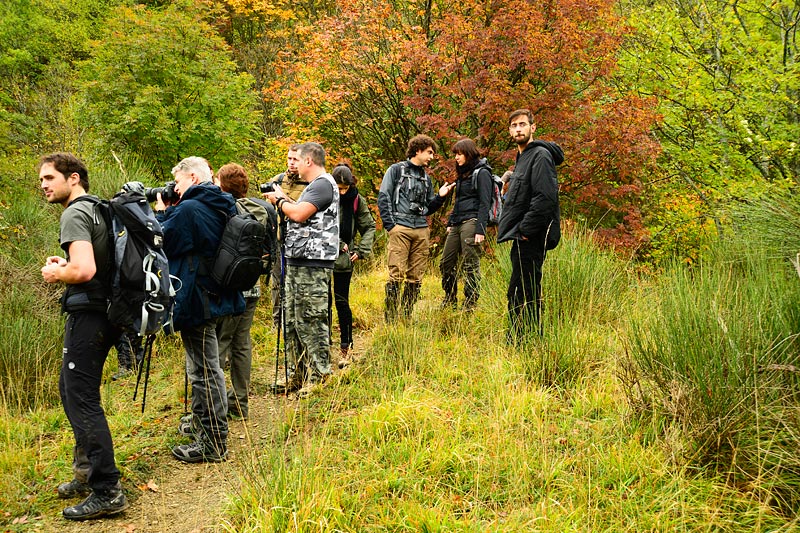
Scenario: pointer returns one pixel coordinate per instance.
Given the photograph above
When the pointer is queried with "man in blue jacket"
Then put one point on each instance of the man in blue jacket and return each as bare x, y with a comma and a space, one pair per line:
192, 231
530, 219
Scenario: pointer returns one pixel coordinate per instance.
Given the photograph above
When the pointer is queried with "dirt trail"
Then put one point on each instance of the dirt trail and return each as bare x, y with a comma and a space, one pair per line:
190, 498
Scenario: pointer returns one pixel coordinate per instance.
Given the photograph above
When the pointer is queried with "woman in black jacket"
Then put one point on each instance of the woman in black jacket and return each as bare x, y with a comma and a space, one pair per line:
354, 217
466, 226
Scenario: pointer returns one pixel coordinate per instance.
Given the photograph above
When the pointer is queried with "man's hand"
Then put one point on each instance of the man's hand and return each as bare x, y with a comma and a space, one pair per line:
353, 257
50, 266
445, 189
275, 195
478, 238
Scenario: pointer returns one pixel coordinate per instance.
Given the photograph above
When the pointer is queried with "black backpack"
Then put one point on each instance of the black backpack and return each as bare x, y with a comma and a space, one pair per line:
266, 214
141, 292
238, 261
496, 209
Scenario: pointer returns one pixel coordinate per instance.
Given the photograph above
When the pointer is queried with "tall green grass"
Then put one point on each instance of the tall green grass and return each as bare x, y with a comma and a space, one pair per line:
31, 331
441, 426
716, 357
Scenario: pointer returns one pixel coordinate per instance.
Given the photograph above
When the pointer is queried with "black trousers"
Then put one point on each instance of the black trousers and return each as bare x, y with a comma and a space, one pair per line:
88, 337
525, 286
341, 297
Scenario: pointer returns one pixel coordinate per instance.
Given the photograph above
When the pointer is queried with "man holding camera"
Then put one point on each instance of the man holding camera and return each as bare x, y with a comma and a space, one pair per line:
311, 246
88, 336
291, 184
192, 229
405, 199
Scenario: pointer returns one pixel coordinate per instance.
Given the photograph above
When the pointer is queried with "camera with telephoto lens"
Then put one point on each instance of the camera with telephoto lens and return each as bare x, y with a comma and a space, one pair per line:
168, 193
266, 187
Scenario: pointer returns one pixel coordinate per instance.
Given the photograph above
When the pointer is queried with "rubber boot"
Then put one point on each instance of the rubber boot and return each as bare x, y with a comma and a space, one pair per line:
471, 291
392, 297
450, 287
410, 296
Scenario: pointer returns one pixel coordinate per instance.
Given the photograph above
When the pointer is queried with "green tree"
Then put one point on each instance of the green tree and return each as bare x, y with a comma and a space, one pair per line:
727, 80
41, 41
162, 84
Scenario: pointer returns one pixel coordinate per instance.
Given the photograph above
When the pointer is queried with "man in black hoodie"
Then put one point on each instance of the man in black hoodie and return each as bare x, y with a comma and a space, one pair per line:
531, 219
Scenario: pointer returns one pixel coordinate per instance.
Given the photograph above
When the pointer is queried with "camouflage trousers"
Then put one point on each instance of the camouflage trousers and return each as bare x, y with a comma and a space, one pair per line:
307, 328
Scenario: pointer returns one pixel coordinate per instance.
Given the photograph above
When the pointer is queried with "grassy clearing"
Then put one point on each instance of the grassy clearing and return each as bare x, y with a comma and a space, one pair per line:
442, 427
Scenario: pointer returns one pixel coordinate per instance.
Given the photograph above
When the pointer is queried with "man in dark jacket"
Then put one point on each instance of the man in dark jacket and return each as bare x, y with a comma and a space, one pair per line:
192, 231
405, 199
531, 219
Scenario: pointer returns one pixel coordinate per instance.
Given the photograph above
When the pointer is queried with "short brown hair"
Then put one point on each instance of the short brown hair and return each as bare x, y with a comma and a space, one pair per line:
233, 179
467, 148
520, 112
419, 143
313, 151
67, 164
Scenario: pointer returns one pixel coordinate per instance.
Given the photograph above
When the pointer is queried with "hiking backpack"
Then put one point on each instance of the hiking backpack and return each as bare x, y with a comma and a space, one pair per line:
141, 294
269, 218
496, 208
238, 261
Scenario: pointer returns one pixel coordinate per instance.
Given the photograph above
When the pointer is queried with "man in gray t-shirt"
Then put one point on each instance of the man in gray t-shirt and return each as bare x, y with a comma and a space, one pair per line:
88, 336
311, 247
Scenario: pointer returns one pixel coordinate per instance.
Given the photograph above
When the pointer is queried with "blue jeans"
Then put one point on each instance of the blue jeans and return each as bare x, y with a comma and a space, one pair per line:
209, 400
88, 337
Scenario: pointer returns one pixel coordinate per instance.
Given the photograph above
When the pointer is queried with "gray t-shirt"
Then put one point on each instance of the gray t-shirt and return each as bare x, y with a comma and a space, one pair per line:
320, 193
81, 221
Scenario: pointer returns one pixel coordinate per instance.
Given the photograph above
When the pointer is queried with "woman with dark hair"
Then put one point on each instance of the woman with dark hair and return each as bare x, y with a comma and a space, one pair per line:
354, 217
466, 226
233, 331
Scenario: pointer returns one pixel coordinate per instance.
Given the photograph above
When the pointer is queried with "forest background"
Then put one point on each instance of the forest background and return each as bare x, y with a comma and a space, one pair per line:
679, 120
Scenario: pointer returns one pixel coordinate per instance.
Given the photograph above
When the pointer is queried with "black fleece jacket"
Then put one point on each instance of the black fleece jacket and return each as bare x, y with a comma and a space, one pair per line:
473, 202
531, 206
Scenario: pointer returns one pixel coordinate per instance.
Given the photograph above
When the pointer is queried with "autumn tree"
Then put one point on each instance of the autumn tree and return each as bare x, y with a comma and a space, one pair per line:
380, 71
162, 84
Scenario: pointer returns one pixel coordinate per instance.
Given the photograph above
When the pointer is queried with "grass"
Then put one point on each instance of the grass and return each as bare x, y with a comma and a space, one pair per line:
600, 425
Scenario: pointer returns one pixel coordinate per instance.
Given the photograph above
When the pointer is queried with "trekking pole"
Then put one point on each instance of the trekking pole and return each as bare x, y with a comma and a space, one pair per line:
279, 325
148, 356
281, 311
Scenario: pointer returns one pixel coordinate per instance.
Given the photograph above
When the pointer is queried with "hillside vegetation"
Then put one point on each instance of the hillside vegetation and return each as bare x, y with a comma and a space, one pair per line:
663, 393
655, 400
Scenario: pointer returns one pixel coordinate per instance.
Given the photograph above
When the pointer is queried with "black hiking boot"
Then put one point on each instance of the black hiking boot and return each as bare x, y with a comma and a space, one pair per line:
74, 489
98, 505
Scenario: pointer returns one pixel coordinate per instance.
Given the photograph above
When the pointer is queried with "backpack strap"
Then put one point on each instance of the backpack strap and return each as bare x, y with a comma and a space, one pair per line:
404, 166
104, 209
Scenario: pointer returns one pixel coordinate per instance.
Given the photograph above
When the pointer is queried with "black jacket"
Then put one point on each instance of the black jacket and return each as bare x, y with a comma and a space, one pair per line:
531, 206
473, 202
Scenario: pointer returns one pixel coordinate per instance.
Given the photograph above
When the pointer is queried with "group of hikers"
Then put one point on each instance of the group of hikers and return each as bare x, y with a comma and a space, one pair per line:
326, 226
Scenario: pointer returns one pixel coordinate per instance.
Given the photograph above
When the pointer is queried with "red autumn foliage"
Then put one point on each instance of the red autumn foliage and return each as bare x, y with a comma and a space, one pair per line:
380, 71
